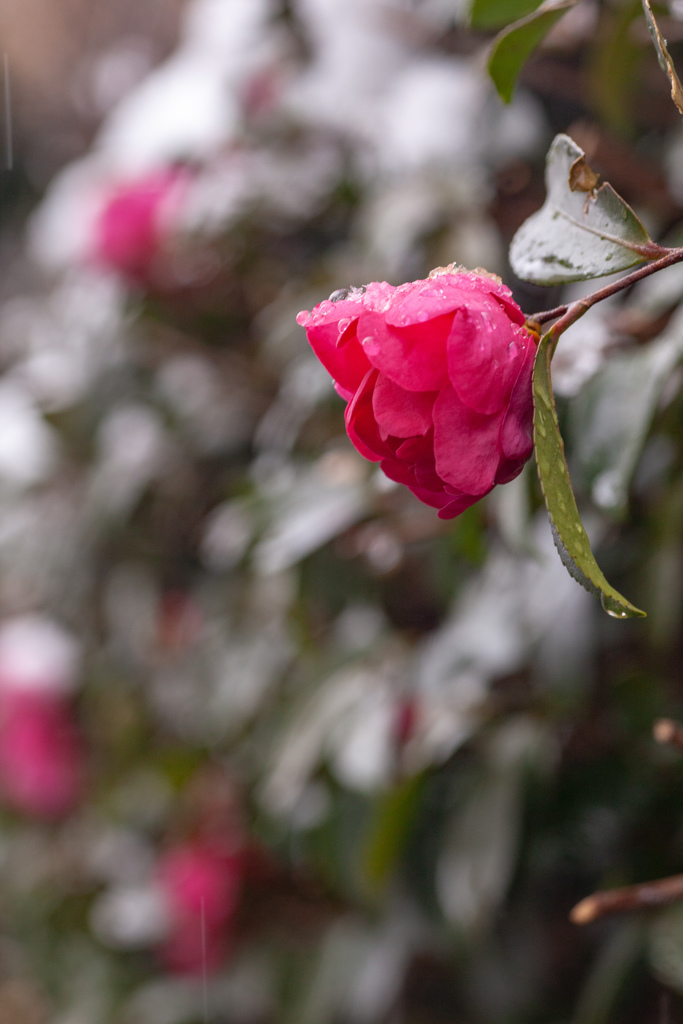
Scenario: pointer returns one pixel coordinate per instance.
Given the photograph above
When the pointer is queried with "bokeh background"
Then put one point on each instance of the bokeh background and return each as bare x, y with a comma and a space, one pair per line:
277, 746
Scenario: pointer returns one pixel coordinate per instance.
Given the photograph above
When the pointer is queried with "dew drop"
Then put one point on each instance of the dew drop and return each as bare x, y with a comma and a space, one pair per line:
612, 608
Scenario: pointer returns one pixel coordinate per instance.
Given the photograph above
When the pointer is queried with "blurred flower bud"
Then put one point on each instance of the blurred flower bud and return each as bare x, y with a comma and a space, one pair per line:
201, 883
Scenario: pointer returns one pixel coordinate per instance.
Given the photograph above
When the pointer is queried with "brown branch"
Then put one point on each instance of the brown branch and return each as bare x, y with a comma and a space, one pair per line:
668, 732
633, 897
548, 314
571, 312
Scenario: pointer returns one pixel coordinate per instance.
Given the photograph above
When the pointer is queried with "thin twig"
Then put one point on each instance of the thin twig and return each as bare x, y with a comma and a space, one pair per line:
633, 897
570, 313
668, 732
549, 314
577, 309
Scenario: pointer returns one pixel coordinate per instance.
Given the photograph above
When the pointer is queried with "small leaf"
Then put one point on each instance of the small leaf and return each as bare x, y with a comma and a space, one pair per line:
513, 45
610, 417
664, 57
488, 14
580, 232
570, 537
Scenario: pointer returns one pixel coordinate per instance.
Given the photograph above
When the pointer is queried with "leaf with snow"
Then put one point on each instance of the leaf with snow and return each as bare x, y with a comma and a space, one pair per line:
581, 231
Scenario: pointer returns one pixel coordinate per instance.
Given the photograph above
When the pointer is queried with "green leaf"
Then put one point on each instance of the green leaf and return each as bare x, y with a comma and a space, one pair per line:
613, 67
487, 14
610, 418
664, 57
581, 231
513, 45
570, 537
393, 817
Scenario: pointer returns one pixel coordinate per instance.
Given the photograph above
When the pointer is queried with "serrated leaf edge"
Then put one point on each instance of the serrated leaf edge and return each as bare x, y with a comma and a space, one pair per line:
575, 552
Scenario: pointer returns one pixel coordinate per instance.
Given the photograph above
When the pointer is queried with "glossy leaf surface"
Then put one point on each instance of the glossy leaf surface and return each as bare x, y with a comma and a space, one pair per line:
515, 44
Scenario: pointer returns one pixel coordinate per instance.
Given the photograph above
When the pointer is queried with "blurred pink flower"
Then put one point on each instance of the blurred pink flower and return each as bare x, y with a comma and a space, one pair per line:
134, 222
201, 883
41, 758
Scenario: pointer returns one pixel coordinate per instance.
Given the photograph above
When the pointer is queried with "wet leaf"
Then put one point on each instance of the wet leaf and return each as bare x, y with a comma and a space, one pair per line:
515, 44
664, 57
610, 418
488, 14
578, 234
570, 537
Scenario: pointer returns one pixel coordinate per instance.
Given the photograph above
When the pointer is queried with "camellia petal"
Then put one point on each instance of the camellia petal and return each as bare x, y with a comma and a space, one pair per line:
334, 341
484, 352
399, 412
457, 505
413, 357
360, 422
516, 435
466, 444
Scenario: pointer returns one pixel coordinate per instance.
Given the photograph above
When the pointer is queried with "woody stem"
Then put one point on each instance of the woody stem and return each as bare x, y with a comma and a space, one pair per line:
569, 313
633, 897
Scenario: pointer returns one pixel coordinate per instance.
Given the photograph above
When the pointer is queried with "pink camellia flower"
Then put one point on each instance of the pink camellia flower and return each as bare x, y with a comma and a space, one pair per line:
41, 758
130, 229
201, 883
437, 375
41, 753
